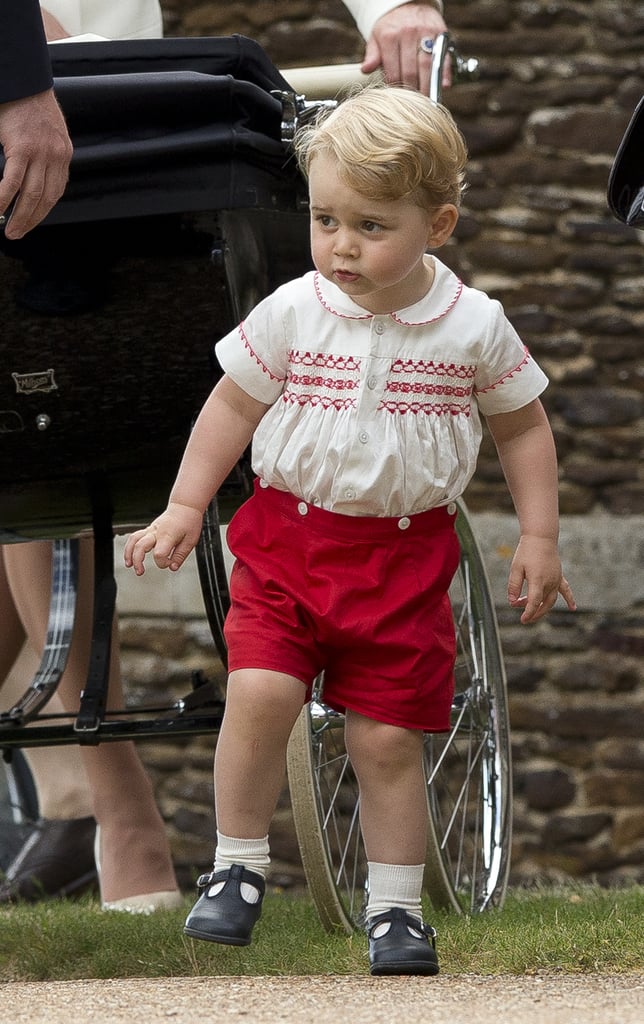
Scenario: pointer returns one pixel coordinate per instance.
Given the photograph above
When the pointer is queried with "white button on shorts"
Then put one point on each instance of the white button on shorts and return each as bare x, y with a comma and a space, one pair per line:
451, 509
404, 523
302, 508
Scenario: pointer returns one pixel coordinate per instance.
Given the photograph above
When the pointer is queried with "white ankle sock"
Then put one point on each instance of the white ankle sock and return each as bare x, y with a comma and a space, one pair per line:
395, 885
254, 854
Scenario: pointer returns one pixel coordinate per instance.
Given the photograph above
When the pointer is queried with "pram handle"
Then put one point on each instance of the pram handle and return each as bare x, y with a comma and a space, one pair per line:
325, 82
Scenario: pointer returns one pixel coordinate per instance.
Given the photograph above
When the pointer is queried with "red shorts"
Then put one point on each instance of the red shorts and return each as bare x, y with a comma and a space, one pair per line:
364, 599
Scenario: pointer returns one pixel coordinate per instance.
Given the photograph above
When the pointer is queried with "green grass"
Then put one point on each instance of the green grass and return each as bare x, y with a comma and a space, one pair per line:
573, 929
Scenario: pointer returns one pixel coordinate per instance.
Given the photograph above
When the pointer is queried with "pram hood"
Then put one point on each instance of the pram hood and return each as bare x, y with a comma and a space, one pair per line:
162, 125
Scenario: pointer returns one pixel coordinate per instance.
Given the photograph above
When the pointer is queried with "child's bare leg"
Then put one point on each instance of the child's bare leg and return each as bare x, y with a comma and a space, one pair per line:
388, 763
135, 854
393, 816
250, 762
250, 759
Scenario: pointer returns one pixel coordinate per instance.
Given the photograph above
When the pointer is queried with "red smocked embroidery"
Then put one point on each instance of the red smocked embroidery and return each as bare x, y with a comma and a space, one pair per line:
290, 398
306, 381
327, 359
449, 382
428, 389
429, 366
331, 389
427, 408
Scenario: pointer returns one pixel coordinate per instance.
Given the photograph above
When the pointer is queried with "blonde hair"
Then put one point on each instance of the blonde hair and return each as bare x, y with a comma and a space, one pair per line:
390, 143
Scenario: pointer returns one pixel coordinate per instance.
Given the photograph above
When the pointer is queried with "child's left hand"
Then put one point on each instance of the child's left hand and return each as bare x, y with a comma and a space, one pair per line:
536, 563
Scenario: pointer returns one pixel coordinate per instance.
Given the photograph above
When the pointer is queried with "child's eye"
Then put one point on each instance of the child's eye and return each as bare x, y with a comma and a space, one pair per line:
325, 220
371, 227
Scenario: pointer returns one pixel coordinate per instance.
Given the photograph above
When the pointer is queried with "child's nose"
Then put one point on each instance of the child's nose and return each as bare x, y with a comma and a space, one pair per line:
345, 244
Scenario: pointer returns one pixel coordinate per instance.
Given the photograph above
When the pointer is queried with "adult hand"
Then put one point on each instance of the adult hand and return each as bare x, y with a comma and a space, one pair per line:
394, 45
37, 152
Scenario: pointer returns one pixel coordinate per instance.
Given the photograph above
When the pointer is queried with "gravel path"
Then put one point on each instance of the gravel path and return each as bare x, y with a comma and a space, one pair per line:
539, 999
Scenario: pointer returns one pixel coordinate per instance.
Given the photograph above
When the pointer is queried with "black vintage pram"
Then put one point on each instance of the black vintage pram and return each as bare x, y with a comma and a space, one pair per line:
184, 209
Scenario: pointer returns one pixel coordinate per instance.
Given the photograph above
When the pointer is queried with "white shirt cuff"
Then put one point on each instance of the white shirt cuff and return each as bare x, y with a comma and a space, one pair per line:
367, 12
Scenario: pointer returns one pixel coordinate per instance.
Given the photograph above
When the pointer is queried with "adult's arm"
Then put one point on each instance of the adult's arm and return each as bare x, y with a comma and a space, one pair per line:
33, 135
25, 69
393, 31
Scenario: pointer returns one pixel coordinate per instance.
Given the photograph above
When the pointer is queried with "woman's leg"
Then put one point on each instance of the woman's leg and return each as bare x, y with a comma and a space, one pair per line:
63, 792
58, 772
12, 634
135, 854
57, 855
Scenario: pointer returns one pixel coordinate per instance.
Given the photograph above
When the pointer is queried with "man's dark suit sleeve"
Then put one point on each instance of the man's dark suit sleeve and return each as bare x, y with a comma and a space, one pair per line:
24, 61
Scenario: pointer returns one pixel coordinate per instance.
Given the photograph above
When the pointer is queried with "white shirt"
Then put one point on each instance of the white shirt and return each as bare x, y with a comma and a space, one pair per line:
376, 415
116, 19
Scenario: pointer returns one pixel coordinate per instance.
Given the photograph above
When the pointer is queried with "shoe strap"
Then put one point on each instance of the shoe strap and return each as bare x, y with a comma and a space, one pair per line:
205, 880
411, 922
237, 871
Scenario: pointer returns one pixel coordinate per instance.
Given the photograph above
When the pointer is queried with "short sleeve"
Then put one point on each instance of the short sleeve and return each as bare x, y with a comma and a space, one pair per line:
507, 376
255, 354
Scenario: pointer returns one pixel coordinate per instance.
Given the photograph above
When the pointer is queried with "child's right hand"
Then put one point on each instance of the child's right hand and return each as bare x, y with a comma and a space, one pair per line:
171, 537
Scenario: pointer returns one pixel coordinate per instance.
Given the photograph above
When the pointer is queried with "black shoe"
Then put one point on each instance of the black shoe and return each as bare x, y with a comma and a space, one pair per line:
226, 915
405, 947
56, 859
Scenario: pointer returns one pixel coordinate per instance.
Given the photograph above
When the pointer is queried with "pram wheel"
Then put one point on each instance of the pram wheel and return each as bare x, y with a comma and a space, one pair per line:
468, 772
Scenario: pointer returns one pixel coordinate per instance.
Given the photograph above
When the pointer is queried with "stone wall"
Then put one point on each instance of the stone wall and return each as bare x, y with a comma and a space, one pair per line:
558, 83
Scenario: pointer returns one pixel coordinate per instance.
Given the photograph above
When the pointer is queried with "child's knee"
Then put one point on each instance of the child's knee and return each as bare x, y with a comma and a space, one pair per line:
380, 747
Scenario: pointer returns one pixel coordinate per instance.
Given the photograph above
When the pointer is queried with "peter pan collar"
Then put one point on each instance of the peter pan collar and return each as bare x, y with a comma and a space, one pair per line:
439, 300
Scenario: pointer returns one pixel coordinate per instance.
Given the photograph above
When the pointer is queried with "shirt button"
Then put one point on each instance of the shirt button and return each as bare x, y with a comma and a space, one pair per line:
363, 437
372, 383
379, 327
404, 523
349, 494
451, 509
302, 508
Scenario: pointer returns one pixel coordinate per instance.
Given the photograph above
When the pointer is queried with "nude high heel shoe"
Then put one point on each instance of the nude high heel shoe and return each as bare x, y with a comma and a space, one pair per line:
145, 903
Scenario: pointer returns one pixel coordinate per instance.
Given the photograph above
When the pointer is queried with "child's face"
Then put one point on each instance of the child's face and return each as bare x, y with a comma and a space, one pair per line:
372, 249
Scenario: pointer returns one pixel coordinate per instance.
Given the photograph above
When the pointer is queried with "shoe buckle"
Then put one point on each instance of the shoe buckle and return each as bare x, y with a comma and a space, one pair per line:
205, 880
431, 934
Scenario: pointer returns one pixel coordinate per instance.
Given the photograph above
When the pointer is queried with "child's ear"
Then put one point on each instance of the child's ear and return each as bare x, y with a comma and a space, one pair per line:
443, 222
